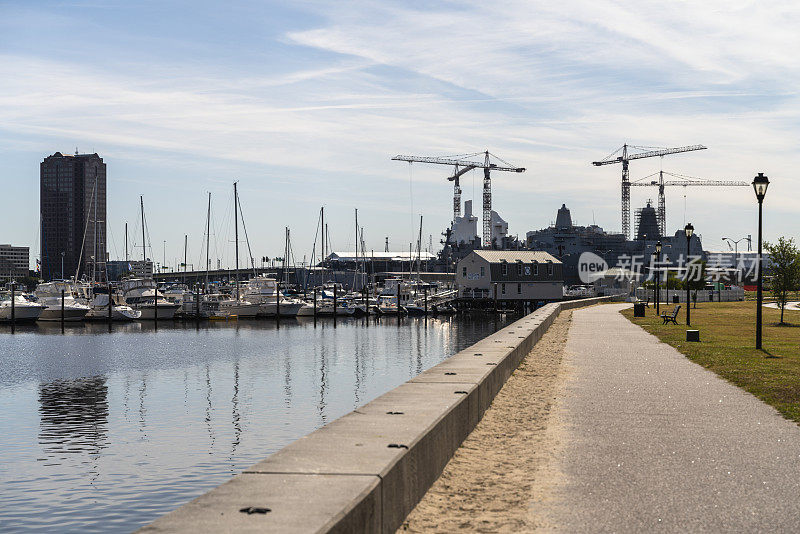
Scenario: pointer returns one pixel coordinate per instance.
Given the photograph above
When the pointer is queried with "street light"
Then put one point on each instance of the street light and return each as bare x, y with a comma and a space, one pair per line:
689, 231
760, 184
658, 277
736, 254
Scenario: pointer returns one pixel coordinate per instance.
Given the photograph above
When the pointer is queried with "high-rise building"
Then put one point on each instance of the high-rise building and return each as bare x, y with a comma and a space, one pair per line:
13, 263
73, 216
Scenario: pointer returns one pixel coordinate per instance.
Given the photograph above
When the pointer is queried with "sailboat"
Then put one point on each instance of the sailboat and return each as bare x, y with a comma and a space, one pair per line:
142, 294
237, 306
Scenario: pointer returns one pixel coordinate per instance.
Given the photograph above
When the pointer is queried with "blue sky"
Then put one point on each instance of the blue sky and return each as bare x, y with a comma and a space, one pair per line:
304, 103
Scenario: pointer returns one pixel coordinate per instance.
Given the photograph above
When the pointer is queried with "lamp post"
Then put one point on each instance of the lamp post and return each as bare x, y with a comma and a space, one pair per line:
736, 254
62, 265
760, 184
689, 231
658, 277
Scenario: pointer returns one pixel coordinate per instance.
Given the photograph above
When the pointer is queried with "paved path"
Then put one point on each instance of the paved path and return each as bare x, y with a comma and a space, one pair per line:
653, 442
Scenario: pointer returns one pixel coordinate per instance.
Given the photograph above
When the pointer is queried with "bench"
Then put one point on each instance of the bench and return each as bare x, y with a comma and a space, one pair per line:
671, 317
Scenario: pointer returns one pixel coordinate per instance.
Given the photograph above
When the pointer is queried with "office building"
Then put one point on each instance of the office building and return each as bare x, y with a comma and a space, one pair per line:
14, 263
73, 216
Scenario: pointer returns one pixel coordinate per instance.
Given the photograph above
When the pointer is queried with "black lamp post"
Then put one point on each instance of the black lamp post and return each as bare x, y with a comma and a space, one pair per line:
760, 184
689, 231
658, 277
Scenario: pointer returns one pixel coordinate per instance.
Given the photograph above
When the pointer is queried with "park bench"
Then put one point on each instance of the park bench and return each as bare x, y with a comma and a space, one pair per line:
671, 317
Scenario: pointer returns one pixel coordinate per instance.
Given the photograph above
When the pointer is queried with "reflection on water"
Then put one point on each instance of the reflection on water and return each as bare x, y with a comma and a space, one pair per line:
107, 431
73, 417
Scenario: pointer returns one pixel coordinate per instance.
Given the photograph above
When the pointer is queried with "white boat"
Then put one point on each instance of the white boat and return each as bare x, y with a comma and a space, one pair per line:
119, 312
142, 295
343, 308
25, 311
387, 305
226, 306
306, 309
49, 295
87, 294
262, 290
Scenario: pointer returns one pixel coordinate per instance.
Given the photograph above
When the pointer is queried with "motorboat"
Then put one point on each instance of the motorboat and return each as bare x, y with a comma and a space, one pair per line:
97, 298
25, 311
343, 308
226, 306
387, 305
263, 290
58, 298
142, 295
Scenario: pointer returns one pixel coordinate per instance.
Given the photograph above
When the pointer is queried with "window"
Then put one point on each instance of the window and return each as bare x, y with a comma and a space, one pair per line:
519, 268
503, 288
519, 289
504, 269
535, 269
550, 270
464, 271
483, 271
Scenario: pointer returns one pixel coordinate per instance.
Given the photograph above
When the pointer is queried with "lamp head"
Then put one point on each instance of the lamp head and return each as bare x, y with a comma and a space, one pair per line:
689, 230
658, 247
760, 184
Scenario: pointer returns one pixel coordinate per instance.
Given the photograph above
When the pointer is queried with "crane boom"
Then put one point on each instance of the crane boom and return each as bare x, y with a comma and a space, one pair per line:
463, 165
730, 183
649, 154
625, 158
458, 162
682, 180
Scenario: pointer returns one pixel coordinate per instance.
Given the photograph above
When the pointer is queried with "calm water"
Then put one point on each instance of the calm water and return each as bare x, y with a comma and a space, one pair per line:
105, 432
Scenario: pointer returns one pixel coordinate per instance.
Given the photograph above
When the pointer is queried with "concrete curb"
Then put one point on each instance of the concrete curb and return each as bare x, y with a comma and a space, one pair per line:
365, 471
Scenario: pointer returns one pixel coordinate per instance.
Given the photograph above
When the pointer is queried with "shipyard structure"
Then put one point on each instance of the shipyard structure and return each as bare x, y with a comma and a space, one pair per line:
566, 242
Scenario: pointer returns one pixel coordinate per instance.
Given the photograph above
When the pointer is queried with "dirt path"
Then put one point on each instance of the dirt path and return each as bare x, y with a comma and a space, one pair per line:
503, 466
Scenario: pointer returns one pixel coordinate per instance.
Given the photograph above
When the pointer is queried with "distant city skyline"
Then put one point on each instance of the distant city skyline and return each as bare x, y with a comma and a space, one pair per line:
304, 104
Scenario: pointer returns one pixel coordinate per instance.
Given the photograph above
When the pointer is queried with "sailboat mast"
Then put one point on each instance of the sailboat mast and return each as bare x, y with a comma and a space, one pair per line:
322, 227
126, 243
355, 274
208, 239
419, 247
144, 251
185, 258
94, 245
236, 233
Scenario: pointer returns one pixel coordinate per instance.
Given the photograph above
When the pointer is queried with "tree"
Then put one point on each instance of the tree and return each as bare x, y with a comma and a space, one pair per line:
784, 260
695, 279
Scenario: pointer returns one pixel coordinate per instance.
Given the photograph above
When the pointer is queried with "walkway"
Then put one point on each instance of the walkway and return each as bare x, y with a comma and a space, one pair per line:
651, 441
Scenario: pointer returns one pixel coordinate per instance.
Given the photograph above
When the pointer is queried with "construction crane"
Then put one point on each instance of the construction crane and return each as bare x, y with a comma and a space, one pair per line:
462, 165
624, 158
682, 180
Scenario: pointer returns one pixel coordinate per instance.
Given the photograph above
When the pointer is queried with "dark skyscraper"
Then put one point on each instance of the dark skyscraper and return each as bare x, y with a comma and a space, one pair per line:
73, 215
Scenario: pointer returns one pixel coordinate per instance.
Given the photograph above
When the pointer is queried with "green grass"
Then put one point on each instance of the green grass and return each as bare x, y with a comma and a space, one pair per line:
727, 347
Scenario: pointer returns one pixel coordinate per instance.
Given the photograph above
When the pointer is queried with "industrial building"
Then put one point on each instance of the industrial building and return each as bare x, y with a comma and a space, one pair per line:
14, 263
567, 242
73, 215
510, 275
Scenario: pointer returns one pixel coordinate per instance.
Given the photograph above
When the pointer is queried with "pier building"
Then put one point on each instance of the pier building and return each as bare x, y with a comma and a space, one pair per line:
510, 275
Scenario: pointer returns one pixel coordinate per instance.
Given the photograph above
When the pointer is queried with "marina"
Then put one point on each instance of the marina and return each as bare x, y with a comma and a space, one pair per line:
128, 425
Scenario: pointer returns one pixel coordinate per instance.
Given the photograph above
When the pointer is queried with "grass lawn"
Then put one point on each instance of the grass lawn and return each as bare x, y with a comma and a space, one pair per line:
727, 340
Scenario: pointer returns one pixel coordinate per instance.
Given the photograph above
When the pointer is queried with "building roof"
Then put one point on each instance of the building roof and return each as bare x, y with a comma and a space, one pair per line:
511, 256
381, 256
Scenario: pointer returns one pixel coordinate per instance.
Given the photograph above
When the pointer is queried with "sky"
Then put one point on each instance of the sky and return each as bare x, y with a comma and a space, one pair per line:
304, 103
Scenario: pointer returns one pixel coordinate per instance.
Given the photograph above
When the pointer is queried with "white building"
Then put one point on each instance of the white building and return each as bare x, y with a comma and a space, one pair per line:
465, 229
515, 275
14, 262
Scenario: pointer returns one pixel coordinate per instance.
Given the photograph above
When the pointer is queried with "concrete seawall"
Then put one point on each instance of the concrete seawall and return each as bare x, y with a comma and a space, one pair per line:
365, 471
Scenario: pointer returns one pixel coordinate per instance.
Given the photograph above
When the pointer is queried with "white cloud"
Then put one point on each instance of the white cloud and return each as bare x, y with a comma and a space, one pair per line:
549, 87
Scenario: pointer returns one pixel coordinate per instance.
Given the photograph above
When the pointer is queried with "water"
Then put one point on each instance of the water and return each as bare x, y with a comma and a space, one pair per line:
106, 431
